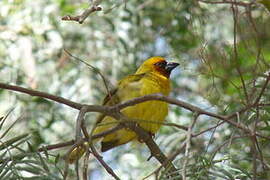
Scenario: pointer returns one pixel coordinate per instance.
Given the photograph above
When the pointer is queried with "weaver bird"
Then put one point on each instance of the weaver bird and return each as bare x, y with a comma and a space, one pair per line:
151, 77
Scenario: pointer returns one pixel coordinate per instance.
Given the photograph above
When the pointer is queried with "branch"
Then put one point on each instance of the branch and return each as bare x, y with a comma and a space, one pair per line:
153, 147
169, 159
235, 50
110, 111
169, 100
85, 165
71, 142
187, 106
208, 129
96, 70
80, 18
227, 2
42, 94
263, 89
114, 111
79, 122
188, 145
102, 162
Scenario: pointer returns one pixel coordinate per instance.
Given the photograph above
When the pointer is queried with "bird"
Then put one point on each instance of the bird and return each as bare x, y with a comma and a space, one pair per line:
153, 76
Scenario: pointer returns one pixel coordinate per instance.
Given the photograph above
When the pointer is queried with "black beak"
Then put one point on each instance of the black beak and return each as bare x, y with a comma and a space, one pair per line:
170, 66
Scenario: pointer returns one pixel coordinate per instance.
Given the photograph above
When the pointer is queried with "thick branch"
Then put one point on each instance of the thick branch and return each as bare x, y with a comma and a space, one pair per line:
153, 147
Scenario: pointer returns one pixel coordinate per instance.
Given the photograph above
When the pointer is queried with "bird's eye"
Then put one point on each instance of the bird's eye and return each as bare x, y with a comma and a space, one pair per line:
161, 64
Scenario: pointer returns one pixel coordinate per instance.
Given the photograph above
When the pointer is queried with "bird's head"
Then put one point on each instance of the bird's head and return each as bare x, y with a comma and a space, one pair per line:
157, 65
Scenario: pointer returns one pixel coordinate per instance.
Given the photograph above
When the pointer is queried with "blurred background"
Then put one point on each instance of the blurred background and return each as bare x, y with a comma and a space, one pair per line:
224, 56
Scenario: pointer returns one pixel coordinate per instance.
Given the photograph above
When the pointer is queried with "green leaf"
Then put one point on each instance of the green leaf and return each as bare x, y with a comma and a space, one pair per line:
12, 140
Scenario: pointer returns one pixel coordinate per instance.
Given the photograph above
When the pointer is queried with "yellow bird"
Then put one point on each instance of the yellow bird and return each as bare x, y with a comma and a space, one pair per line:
151, 77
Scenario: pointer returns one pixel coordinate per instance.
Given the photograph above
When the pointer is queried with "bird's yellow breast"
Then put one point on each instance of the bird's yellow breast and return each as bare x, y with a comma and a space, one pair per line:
149, 114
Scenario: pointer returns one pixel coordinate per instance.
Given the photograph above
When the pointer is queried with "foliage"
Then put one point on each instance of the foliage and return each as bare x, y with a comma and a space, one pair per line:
224, 52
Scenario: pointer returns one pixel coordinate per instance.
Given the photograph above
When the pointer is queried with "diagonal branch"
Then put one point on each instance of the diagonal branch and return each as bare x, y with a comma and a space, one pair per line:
103, 163
263, 89
153, 147
80, 18
42, 94
71, 142
188, 145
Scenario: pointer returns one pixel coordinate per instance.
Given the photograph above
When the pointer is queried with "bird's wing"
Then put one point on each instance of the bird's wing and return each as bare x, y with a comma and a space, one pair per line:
116, 95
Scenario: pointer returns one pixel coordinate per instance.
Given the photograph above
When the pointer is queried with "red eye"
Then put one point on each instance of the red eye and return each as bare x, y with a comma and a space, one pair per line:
161, 64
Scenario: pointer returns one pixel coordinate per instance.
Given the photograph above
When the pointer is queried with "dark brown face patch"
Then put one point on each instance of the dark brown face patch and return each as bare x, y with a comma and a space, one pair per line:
161, 64
165, 68
161, 68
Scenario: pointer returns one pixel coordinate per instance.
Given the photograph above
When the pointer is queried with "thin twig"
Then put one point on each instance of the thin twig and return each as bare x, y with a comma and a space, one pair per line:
69, 143
188, 144
263, 89
72, 154
105, 82
103, 163
85, 165
80, 18
170, 158
254, 157
208, 129
265, 165
79, 122
216, 150
229, 2
235, 22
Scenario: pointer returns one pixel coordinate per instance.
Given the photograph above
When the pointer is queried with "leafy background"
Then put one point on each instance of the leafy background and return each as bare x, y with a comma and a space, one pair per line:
200, 36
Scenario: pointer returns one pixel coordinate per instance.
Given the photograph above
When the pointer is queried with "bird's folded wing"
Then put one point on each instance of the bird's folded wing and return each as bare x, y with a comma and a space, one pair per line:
129, 86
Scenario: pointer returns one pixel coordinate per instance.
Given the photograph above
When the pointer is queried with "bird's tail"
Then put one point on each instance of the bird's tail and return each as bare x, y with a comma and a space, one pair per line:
77, 152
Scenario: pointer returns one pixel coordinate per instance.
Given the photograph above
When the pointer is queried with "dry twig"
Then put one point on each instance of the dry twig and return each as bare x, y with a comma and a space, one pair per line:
80, 18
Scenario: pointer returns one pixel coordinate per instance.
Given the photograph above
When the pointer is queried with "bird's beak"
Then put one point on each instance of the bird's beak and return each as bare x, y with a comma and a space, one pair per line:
170, 66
